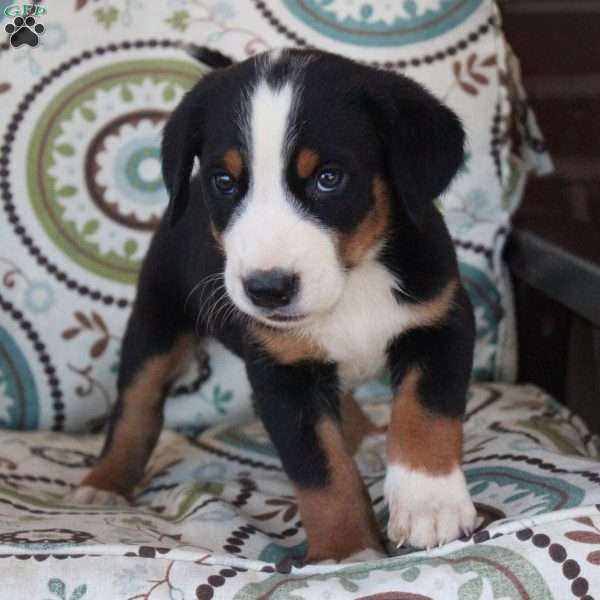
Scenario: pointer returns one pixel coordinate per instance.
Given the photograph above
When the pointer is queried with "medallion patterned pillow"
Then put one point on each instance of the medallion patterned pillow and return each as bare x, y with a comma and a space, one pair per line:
81, 189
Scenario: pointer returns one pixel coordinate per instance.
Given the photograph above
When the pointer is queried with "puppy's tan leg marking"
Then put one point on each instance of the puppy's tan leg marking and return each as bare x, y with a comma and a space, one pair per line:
356, 424
135, 433
427, 495
338, 519
419, 440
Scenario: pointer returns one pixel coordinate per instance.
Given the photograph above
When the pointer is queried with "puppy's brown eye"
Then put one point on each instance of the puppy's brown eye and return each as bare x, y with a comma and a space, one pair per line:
224, 184
329, 179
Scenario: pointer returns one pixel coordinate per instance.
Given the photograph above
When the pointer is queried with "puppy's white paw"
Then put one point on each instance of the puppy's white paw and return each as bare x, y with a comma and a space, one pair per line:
90, 495
426, 510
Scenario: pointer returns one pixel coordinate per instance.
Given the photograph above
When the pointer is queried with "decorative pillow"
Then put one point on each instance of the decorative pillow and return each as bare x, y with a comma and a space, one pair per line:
81, 188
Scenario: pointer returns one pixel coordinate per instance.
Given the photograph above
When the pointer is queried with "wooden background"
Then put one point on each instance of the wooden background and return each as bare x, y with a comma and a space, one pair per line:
558, 42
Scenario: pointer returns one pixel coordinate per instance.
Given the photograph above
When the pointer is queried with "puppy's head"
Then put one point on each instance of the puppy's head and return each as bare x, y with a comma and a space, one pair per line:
307, 161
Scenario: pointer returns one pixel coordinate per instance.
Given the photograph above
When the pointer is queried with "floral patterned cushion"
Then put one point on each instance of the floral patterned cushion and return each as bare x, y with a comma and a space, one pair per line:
215, 517
81, 190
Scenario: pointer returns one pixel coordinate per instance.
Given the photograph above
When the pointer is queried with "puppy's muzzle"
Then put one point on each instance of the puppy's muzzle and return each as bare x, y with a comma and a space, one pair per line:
271, 289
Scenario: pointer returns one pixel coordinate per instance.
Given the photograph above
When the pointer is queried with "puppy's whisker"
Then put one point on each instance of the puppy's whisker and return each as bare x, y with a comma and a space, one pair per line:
205, 301
209, 298
230, 313
405, 293
216, 307
222, 309
203, 283
187, 298
196, 323
208, 314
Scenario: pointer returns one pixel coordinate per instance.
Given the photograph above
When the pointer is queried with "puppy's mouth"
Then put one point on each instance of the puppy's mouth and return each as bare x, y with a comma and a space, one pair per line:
283, 318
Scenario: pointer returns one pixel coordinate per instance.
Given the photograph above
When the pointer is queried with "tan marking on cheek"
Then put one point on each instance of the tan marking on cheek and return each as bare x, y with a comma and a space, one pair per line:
352, 247
233, 162
306, 162
356, 424
218, 239
419, 439
139, 425
338, 518
287, 347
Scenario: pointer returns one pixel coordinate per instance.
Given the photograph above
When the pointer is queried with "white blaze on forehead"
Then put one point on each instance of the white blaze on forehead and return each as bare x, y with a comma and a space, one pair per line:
270, 230
270, 112
263, 236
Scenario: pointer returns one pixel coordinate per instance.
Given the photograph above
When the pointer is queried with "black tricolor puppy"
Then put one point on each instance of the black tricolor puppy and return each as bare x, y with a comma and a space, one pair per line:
311, 223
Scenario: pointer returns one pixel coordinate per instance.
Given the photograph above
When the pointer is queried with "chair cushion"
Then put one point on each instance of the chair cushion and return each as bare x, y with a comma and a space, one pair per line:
215, 516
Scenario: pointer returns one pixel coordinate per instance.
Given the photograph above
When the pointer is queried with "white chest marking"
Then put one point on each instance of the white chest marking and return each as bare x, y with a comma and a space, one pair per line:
356, 333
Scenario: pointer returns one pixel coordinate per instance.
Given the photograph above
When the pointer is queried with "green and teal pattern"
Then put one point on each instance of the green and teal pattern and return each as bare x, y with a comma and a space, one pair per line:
19, 400
487, 305
382, 22
89, 166
513, 485
94, 175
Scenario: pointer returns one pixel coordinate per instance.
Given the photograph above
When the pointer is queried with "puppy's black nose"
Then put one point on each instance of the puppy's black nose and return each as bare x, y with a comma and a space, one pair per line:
271, 289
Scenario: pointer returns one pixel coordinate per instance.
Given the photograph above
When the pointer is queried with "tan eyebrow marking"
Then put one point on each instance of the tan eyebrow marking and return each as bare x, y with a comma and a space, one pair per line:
306, 162
233, 162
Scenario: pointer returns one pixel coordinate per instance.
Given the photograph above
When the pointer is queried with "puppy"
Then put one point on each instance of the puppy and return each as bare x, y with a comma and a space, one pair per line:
310, 228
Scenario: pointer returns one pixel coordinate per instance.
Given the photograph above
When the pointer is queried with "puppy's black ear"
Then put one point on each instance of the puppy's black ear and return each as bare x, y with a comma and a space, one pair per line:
181, 143
424, 142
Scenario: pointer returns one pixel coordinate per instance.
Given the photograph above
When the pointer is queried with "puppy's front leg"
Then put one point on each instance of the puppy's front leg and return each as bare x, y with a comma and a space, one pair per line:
299, 406
426, 491
152, 352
